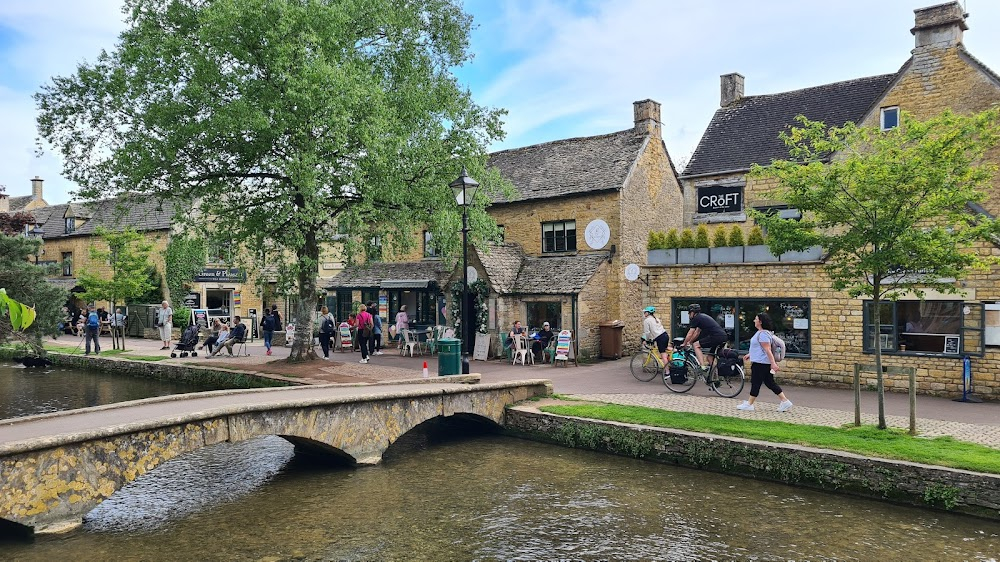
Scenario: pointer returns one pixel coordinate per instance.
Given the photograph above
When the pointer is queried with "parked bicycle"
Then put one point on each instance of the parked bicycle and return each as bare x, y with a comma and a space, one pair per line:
646, 363
727, 383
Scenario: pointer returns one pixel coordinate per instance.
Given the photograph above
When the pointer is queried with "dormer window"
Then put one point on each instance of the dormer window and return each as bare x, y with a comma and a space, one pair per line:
890, 117
70, 225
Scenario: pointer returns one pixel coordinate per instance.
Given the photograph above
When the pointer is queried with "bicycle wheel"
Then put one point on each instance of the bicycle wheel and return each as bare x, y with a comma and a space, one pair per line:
679, 386
644, 366
727, 385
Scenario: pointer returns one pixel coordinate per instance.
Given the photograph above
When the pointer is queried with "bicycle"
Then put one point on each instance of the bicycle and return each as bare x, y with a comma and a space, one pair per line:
726, 386
646, 363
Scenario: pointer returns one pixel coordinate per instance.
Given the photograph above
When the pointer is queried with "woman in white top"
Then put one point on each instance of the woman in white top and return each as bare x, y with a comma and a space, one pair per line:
763, 366
652, 330
402, 322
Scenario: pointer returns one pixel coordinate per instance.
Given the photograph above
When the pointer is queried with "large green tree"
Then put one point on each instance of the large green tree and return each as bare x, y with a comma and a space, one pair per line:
897, 211
278, 119
25, 282
127, 274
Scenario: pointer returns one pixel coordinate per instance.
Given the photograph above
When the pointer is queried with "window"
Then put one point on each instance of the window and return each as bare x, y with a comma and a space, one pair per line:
890, 118
541, 312
790, 318
936, 327
559, 236
429, 250
219, 251
343, 309
67, 264
70, 225
373, 250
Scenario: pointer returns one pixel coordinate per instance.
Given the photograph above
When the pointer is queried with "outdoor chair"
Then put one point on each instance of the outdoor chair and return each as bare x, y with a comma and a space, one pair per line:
522, 349
410, 344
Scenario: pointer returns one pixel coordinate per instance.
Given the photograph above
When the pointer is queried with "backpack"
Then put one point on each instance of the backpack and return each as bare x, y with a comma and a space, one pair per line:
777, 347
92, 320
328, 326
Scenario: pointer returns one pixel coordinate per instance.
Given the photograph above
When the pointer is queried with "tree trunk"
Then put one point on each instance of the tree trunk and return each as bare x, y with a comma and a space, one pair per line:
877, 320
302, 344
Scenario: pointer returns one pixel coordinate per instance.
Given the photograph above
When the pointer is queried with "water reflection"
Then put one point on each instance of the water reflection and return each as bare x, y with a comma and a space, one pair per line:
489, 498
27, 392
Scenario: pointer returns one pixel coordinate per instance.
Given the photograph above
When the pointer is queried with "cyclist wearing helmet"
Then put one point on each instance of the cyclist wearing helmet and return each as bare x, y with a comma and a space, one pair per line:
652, 330
704, 332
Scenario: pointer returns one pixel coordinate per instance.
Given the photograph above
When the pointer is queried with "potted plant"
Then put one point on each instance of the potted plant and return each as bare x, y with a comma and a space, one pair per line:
694, 247
722, 250
756, 251
659, 250
812, 253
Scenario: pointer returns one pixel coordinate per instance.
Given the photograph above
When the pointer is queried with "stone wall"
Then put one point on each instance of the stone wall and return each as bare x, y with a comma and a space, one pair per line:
835, 325
896, 481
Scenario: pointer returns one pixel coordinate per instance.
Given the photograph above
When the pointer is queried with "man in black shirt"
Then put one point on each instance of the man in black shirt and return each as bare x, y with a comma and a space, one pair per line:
704, 332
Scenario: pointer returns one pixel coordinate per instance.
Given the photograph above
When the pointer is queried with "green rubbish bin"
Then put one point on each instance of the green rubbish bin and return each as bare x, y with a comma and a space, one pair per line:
449, 356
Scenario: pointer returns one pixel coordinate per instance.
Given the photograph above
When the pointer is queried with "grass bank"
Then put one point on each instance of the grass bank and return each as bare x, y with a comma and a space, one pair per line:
865, 440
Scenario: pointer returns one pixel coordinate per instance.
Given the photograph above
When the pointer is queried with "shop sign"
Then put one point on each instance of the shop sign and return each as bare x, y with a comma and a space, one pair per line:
192, 300
209, 275
720, 199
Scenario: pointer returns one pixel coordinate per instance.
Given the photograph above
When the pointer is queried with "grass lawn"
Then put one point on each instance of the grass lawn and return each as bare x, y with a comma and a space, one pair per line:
79, 350
865, 440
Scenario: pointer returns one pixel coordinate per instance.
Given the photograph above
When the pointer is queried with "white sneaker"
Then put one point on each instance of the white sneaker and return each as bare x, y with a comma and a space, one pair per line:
785, 406
363, 361
378, 353
746, 406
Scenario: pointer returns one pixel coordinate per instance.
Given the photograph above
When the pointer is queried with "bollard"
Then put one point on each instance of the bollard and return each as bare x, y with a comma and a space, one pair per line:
425, 370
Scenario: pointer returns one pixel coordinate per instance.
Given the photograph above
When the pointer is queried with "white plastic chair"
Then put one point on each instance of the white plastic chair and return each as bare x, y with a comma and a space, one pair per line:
522, 350
410, 344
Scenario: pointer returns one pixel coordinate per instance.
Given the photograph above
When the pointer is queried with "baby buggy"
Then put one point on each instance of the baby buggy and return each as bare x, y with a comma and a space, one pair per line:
189, 339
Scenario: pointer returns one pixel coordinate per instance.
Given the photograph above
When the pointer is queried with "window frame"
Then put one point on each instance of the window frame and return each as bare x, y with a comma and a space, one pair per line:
67, 264
881, 117
556, 227
429, 250
69, 225
970, 336
739, 308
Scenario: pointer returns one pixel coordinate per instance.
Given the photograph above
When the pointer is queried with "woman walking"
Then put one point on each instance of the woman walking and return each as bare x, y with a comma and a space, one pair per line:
365, 326
267, 327
327, 327
763, 366
402, 322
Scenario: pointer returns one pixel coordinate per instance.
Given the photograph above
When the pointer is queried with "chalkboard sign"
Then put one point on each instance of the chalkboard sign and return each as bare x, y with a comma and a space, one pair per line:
482, 349
951, 344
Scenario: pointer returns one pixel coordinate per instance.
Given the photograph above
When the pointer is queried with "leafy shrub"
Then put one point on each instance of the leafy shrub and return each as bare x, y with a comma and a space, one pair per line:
687, 239
182, 317
736, 236
756, 237
719, 238
701, 237
673, 240
657, 240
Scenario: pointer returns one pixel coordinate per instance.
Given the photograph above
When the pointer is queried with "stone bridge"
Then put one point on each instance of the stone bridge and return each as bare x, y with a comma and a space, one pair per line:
54, 468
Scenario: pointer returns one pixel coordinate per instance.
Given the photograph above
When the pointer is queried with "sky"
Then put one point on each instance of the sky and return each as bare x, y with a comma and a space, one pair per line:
561, 68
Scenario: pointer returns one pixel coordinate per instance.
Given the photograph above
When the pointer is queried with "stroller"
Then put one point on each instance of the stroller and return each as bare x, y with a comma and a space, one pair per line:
189, 339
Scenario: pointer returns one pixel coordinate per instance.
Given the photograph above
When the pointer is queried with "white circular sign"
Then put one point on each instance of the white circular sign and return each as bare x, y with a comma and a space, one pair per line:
472, 274
597, 234
631, 272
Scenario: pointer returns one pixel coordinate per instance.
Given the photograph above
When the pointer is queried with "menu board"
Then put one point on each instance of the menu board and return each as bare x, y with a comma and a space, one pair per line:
482, 349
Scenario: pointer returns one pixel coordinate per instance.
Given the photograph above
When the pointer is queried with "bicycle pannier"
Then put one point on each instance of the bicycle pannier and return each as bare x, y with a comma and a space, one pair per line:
728, 360
678, 375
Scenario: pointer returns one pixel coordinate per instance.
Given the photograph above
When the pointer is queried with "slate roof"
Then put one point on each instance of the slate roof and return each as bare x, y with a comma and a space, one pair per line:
746, 131
569, 166
502, 262
142, 214
372, 274
19, 203
556, 275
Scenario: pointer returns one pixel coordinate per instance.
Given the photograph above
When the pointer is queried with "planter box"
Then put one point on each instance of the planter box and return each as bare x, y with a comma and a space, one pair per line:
692, 255
757, 254
727, 254
813, 253
661, 257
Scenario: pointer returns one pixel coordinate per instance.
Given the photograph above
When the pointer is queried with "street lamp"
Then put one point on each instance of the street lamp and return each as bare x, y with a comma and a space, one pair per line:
465, 191
36, 233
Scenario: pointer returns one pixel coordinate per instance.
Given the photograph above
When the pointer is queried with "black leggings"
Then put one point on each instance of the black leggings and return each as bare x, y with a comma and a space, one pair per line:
760, 373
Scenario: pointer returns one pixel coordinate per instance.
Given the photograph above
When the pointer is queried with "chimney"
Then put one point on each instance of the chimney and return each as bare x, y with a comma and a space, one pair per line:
36, 188
939, 26
732, 88
647, 117
4, 203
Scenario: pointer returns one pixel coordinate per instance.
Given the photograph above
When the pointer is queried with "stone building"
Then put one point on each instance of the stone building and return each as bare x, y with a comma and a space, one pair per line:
824, 328
26, 203
582, 211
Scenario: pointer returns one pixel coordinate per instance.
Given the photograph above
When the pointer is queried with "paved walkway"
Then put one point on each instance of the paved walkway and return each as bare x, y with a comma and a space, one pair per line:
610, 381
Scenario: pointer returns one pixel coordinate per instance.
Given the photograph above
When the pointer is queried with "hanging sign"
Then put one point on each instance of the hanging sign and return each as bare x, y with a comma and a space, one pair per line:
631, 272
472, 274
597, 234
720, 199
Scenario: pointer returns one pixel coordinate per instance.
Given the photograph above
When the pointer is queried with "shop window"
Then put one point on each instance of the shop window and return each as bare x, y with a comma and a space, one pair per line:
67, 264
889, 118
429, 250
559, 236
790, 318
541, 312
343, 305
925, 327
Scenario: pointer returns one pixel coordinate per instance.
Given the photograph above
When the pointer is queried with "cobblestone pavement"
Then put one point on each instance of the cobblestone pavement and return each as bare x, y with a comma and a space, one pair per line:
973, 433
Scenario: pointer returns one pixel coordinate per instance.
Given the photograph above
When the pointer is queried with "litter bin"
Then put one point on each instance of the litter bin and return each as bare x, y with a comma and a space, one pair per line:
449, 356
611, 339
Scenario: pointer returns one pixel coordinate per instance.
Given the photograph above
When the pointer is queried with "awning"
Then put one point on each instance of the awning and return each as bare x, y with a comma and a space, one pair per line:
405, 283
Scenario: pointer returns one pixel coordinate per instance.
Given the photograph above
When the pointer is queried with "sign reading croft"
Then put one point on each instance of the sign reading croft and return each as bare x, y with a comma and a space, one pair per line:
720, 199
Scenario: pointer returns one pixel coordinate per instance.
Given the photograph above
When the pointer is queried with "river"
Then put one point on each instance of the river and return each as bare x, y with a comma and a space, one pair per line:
488, 497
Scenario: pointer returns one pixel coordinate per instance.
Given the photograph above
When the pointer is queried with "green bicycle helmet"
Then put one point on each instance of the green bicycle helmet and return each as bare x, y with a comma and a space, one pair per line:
650, 309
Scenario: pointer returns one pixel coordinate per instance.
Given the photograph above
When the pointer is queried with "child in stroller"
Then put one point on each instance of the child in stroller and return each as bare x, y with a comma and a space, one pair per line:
189, 339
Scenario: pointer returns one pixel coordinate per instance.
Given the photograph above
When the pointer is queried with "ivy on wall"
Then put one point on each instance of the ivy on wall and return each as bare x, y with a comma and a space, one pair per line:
185, 256
481, 292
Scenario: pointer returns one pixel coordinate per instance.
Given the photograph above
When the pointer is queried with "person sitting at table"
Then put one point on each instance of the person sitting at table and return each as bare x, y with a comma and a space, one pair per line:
517, 329
217, 328
542, 339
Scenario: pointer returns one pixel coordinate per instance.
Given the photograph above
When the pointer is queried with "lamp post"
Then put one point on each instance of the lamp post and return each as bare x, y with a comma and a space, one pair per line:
465, 190
36, 233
